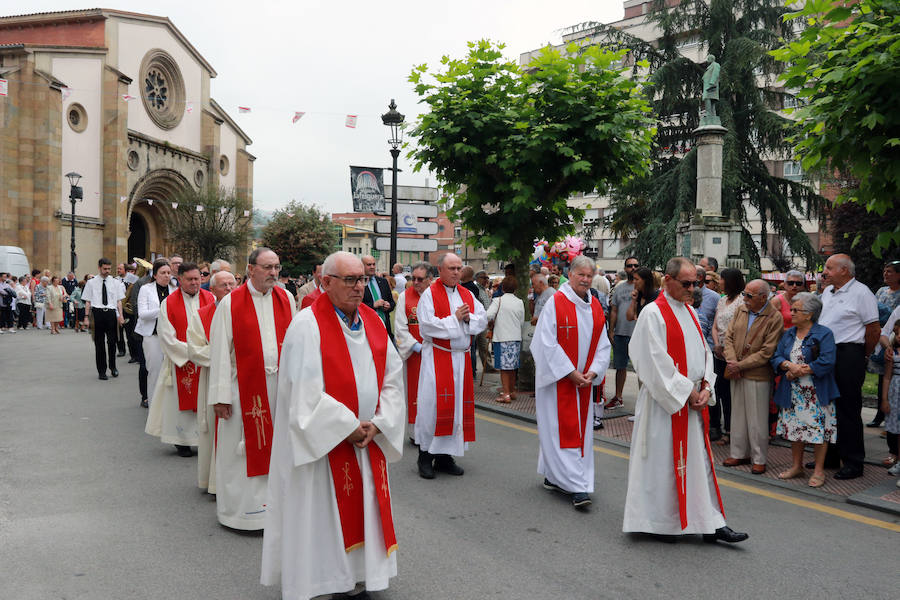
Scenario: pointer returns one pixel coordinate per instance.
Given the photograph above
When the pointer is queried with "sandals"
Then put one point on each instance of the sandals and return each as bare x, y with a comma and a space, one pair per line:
816, 481
890, 461
504, 399
790, 474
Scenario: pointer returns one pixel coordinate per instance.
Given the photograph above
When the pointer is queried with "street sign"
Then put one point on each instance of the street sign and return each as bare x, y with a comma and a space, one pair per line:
422, 227
411, 192
407, 244
423, 211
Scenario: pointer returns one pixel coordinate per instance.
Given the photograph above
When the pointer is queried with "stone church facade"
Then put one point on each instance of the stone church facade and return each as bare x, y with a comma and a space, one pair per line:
122, 99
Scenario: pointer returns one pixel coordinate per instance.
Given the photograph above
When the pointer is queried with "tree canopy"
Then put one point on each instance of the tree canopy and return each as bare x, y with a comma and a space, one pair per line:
510, 145
846, 66
301, 235
217, 231
739, 33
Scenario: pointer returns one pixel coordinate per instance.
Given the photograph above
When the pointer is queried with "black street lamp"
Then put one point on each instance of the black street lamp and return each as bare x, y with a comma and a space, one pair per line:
394, 120
75, 193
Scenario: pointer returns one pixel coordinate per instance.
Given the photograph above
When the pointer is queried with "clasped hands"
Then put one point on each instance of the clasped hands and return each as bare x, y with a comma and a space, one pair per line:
381, 304
462, 313
698, 400
795, 371
581, 379
732, 370
363, 434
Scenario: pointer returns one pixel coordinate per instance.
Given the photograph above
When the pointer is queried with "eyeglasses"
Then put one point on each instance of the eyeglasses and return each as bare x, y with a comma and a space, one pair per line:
632, 265
797, 310
749, 295
418, 279
687, 284
351, 281
797, 283
707, 280
276, 268
204, 273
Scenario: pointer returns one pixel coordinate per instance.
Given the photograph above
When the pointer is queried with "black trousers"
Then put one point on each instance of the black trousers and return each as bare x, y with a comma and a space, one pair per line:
120, 338
850, 375
131, 339
138, 350
24, 315
6, 317
105, 326
723, 397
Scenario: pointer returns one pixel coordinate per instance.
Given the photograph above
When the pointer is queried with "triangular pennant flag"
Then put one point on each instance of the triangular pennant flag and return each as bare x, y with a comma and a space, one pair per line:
199, 208
223, 210
350, 122
66, 92
174, 205
122, 199
243, 109
297, 116
127, 97
189, 107
150, 202
246, 213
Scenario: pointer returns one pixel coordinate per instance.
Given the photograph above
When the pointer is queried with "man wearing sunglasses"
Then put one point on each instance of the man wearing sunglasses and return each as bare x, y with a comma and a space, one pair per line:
621, 329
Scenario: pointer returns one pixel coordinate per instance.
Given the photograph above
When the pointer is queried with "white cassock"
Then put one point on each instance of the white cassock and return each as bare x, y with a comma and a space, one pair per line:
240, 500
459, 333
572, 469
406, 343
651, 504
303, 547
198, 349
164, 420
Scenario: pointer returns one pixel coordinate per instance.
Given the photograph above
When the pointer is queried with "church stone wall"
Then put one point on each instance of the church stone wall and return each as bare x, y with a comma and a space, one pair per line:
228, 148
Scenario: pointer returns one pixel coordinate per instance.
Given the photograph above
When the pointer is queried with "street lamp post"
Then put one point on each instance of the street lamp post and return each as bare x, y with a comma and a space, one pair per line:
394, 120
75, 193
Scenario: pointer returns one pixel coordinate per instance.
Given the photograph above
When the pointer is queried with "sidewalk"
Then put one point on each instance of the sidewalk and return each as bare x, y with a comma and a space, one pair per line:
876, 489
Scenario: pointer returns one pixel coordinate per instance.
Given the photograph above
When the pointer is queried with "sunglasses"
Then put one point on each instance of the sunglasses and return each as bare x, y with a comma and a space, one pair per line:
204, 273
687, 284
632, 266
708, 280
797, 283
749, 295
797, 310
418, 279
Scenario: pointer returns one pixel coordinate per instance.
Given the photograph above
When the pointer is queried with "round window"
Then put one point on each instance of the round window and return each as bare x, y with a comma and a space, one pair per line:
223, 165
77, 117
133, 160
162, 89
198, 178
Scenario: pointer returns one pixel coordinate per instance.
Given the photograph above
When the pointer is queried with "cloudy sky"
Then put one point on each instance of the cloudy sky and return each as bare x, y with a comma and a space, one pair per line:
332, 58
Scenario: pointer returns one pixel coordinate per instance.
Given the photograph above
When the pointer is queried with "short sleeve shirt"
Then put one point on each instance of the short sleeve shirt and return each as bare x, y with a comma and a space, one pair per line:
621, 299
847, 311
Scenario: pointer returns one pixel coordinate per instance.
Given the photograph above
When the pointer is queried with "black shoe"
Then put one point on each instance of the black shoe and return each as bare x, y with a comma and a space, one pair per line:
144, 403
132, 361
114, 372
553, 487
666, 538
581, 500
364, 595
715, 434
120, 354
103, 376
445, 464
184, 451
849, 473
812, 465
725, 534
874, 423
426, 468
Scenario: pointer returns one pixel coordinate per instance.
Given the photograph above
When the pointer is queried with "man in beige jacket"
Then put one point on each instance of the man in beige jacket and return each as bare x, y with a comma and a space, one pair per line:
750, 342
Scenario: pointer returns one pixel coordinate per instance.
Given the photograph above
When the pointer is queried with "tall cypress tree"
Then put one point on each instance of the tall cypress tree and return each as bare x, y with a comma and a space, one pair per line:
739, 33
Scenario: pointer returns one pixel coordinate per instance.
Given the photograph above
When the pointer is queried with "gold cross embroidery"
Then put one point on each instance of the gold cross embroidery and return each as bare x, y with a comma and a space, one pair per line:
259, 416
188, 378
567, 327
384, 484
348, 485
682, 468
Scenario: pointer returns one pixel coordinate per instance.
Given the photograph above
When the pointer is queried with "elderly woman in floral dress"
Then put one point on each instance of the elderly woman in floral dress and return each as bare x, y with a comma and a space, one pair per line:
805, 395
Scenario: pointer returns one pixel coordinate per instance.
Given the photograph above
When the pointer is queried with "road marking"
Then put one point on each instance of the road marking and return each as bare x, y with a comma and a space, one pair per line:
836, 512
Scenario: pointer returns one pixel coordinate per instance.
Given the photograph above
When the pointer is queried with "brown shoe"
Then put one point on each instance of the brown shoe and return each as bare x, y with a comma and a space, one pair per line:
758, 469
733, 462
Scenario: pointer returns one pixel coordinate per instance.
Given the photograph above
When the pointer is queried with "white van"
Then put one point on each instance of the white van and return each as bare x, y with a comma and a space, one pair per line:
14, 261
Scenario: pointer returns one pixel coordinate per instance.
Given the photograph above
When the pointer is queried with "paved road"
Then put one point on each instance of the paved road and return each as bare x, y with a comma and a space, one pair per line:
91, 507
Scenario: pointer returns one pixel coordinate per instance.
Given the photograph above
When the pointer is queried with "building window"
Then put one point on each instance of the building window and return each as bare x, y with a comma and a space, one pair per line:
223, 165
793, 170
77, 117
591, 215
133, 160
162, 89
198, 177
611, 248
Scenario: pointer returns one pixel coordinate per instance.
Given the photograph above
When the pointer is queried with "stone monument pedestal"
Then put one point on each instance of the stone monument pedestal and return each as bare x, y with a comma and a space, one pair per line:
707, 232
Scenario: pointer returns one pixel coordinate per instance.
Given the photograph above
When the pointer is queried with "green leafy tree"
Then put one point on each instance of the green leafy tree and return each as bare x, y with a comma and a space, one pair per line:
301, 235
854, 231
739, 33
510, 145
846, 65
220, 230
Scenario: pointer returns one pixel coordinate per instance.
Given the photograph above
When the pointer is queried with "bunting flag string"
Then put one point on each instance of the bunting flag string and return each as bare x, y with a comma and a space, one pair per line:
350, 121
197, 207
4, 87
297, 116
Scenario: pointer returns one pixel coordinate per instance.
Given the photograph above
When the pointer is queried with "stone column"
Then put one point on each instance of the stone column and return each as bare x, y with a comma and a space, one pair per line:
709, 169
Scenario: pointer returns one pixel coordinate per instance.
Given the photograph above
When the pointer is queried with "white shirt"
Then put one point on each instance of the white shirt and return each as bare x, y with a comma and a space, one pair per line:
400, 282
889, 325
508, 321
847, 311
93, 292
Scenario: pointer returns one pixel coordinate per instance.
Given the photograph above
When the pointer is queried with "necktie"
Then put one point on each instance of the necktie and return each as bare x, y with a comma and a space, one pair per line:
373, 288
104, 299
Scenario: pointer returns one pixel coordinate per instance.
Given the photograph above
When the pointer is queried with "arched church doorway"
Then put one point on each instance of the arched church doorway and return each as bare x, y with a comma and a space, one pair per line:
139, 237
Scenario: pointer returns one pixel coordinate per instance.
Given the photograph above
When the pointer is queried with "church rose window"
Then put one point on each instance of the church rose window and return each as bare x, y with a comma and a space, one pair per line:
162, 89
76, 117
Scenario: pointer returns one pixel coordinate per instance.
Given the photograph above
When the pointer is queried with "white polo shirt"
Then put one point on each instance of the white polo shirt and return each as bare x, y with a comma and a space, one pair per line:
847, 311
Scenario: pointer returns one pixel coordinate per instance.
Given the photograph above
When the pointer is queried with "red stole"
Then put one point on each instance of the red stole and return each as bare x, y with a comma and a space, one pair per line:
187, 376
676, 349
206, 316
340, 384
251, 372
445, 392
414, 362
310, 298
572, 403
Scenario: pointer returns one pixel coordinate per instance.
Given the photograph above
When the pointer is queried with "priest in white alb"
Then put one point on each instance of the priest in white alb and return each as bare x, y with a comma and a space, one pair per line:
173, 410
245, 345
445, 421
220, 284
340, 420
407, 336
672, 487
571, 354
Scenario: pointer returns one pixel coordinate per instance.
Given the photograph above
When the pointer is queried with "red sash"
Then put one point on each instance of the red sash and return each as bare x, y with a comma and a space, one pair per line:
310, 298
572, 403
206, 316
676, 349
340, 383
251, 372
445, 389
187, 376
414, 362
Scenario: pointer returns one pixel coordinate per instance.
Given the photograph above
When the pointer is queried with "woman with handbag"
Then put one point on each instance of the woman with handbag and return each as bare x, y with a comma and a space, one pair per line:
56, 296
507, 313
805, 394
40, 300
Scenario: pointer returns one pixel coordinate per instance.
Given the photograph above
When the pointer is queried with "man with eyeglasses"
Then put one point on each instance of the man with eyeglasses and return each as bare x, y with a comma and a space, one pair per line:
378, 294
672, 488
888, 297
329, 527
750, 343
709, 301
245, 345
449, 315
621, 329
850, 311
407, 336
